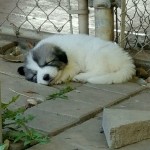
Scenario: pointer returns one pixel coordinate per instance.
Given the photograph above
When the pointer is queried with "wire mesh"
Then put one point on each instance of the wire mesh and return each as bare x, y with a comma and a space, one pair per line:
39, 15
137, 25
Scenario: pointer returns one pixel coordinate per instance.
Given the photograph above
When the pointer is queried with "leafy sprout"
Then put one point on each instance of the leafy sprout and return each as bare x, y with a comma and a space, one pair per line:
60, 94
14, 124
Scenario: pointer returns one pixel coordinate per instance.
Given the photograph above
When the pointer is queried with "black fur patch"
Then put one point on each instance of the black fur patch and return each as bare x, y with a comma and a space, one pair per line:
60, 55
60, 58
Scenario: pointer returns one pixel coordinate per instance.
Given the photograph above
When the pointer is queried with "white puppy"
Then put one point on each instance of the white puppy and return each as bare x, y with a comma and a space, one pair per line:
80, 58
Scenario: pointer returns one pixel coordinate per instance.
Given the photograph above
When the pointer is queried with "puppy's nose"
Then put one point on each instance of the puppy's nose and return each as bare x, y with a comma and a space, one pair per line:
46, 77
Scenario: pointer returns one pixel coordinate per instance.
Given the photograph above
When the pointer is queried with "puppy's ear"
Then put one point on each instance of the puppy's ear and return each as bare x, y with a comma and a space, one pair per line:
21, 71
60, 58
60, 55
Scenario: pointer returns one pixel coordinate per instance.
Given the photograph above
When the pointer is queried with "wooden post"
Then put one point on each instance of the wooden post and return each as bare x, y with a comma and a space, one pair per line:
83, 17
104, 19
70, 17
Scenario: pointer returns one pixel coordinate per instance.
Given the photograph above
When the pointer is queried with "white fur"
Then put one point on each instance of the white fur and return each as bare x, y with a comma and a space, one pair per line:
90, 60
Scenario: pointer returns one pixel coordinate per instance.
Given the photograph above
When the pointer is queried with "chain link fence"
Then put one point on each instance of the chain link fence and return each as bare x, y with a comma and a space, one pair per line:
54, 16
38, 15
48, 16
135, 22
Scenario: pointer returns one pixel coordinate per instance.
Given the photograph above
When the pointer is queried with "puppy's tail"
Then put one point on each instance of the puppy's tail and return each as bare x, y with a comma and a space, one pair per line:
122, 75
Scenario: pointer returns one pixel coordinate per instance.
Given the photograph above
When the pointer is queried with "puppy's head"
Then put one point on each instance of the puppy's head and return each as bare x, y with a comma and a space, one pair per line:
43, 63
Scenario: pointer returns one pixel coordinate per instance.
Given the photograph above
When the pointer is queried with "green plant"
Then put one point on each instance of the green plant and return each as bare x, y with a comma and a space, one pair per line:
15, 128
2, 147
60, 94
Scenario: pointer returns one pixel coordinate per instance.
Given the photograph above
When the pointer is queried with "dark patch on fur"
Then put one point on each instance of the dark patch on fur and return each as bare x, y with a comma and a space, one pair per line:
60, 54
30, 75
60, 58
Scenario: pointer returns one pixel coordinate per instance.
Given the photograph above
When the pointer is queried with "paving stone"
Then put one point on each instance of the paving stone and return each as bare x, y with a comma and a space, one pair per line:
82, 100
68, 107
9, 68
124, 127
86, 136
93, 96
124, 88
140, 101
13, 86
48, 122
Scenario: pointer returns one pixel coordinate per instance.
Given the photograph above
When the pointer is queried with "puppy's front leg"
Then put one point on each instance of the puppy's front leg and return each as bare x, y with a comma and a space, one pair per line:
67, 74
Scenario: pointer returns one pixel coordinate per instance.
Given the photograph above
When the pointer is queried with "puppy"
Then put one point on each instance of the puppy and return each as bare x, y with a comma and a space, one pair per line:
79, 58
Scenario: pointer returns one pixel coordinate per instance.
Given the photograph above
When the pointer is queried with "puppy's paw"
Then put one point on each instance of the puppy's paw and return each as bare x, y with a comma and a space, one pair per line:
55, 82
58, 82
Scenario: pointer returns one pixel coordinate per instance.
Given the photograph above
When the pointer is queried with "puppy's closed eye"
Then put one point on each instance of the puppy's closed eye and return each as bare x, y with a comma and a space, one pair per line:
56, 63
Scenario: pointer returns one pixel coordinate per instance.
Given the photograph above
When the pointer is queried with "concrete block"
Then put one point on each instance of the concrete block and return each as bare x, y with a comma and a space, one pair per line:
124, 127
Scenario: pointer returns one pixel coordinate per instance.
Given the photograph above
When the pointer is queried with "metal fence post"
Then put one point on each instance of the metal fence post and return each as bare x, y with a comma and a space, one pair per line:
104, 20
123, 15
84, 17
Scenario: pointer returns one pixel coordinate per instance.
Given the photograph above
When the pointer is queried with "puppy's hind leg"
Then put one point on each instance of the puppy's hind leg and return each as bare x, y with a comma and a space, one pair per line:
100, 80
83, 77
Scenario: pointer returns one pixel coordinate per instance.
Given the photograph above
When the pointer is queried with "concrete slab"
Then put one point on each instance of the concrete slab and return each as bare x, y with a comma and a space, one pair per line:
80, 106
124, 88
48, 122
68, 107
140, 101
54, 116
14, 86
9, 68
143, 145
125, 127
100, 97
86, 136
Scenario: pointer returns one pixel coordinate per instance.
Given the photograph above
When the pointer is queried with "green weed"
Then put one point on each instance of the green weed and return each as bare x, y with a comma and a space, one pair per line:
60, 94
15, 128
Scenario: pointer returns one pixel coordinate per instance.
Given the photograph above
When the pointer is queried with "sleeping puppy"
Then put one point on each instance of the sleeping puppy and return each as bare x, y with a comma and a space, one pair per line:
79, 58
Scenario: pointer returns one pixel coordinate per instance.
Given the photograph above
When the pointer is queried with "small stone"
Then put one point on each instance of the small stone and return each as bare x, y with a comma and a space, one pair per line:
142, 82
32, 101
